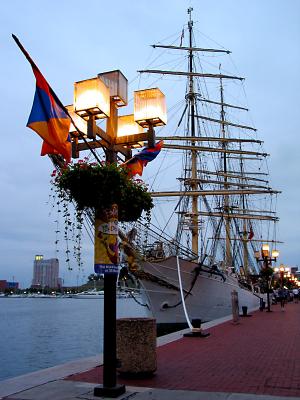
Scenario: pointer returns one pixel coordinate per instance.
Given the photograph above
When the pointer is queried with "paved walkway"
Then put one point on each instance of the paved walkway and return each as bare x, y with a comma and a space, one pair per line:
260, 355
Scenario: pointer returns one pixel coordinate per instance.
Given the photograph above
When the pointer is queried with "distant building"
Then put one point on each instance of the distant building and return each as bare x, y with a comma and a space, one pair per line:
294, 270
45, 273
12, 285
8, 285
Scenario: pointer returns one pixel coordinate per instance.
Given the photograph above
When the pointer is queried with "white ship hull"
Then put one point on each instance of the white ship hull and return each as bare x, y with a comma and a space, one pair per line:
210, 296
100, 295
88, 296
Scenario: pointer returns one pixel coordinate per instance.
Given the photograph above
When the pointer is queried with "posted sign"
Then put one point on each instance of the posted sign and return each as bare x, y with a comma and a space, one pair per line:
106, 242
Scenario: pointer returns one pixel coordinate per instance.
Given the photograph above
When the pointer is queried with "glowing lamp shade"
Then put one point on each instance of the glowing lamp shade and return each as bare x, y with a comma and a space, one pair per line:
275, 253
118, 86
79, 122
91, 97
150, 107
265, 250
127, 126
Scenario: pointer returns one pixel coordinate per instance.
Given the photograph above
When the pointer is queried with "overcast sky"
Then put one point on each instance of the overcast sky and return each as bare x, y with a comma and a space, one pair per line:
74, 40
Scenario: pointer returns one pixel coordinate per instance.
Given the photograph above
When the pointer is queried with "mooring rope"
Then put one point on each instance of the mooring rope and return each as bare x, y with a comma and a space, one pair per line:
182, 296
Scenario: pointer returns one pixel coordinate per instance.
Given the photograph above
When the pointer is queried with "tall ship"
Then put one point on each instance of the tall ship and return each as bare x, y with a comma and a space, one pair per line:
213, 203
209, 221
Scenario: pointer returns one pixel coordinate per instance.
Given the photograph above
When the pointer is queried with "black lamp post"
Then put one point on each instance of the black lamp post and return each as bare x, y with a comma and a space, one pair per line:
264, 256
100, 97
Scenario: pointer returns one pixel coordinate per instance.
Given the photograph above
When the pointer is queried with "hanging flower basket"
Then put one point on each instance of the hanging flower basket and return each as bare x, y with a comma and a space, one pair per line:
97, 187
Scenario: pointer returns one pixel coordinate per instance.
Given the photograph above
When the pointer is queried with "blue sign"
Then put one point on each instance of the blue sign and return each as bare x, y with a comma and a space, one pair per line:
106, 268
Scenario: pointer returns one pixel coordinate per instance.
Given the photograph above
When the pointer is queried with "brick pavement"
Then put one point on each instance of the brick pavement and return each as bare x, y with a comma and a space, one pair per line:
260, 355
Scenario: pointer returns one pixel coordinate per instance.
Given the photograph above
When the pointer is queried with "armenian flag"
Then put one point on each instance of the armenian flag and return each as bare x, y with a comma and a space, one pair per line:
48, 117
137, 163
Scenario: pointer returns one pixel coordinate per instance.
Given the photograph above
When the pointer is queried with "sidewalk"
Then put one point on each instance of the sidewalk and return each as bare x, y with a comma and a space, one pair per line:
258, 359
260, 355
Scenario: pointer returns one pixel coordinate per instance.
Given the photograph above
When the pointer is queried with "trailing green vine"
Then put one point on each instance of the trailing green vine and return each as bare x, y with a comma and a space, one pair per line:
92, 187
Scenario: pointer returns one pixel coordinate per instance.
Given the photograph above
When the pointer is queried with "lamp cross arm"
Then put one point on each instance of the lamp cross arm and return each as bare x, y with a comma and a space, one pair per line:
95, 144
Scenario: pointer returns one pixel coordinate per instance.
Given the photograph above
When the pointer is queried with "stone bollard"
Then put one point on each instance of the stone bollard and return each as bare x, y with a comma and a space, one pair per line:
261, 308
136, 346
245, 311
235, 307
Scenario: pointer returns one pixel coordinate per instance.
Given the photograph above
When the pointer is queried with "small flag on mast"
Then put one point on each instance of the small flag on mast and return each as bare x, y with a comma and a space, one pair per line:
251, 233
48, 117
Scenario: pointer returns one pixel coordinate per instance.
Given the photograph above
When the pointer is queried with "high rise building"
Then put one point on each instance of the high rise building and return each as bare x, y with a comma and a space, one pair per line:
45, 272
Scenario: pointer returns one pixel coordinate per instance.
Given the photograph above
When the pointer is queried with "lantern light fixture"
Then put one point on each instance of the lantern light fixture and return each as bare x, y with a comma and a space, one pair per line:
265, 250
118, 85
91, 98
150, 108
80, 123
127, 126
275, 253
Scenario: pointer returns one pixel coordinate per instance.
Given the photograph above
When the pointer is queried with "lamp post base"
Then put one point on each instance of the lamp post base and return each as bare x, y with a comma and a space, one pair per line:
111, 392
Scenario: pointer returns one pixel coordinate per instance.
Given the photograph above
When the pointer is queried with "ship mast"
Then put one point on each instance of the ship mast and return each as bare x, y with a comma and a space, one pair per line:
245, 232
228, 254
232, 182
194, 153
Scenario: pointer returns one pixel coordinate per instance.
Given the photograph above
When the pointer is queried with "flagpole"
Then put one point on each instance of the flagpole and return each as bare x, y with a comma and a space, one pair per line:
34, 67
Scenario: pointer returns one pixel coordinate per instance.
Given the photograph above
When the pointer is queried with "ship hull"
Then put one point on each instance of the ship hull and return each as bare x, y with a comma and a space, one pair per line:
209, 298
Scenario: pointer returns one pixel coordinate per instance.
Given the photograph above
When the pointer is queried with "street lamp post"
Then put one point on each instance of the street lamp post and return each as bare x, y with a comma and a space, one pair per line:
266, 259
281, 270
99, 98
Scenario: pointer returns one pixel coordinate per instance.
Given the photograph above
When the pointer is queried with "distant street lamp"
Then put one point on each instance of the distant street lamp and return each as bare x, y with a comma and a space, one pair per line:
264, 256
281, 269
281, 272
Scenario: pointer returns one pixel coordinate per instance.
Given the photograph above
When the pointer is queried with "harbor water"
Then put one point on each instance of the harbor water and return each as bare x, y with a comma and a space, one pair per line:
37, 333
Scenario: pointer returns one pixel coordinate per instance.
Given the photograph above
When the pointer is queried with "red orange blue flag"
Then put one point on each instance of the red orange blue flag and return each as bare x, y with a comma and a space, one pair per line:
137, 163
48, 117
